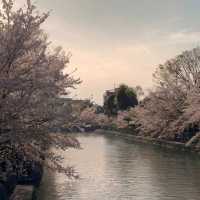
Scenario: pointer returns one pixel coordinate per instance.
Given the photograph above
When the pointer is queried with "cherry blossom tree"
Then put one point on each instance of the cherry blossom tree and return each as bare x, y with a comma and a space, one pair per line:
172, 107
32, 79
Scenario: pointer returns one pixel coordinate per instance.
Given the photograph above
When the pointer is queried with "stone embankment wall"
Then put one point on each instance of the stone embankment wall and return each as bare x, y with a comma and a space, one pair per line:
23, 192
193, 145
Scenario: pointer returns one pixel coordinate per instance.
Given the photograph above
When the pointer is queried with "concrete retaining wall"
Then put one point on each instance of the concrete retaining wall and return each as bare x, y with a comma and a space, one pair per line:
23, 192
148, 140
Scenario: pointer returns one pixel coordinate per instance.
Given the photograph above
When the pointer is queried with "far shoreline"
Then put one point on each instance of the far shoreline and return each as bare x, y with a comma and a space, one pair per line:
172, 145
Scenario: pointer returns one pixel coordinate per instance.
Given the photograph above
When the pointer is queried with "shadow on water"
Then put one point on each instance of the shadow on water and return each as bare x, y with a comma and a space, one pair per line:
115, 168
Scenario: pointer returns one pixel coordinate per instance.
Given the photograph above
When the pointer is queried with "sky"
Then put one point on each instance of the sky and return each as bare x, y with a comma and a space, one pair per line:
120, 41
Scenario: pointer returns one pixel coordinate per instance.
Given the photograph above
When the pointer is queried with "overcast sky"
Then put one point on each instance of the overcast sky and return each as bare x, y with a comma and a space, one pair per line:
120, 41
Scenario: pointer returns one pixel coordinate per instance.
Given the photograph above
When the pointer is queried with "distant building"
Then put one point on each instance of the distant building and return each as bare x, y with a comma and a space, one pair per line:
109, 102
108, 94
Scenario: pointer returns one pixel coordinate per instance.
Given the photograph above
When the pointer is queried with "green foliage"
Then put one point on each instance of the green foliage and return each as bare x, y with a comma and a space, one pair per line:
121, 98
126, 97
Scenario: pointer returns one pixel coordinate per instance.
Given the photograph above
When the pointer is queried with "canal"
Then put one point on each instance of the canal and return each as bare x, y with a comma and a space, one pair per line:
113, 168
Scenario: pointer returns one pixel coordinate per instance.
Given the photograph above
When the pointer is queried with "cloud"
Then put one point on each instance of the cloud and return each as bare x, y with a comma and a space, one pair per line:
112, 45
104, 63
185, 37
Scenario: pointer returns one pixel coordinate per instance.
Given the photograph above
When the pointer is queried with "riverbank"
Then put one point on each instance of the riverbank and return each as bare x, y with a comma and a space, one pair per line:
15, 187
184, 147
23, 192
19, 175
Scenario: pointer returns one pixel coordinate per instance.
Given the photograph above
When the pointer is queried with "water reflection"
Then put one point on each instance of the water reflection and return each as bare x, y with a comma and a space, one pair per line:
113, 168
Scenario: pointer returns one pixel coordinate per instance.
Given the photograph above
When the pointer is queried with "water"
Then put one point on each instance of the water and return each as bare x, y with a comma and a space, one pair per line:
113, 168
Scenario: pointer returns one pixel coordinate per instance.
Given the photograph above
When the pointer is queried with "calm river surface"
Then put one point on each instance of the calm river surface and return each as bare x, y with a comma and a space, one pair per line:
113, 168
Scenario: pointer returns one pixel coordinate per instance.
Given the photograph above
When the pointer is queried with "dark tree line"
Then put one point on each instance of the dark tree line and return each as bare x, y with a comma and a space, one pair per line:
122, 98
